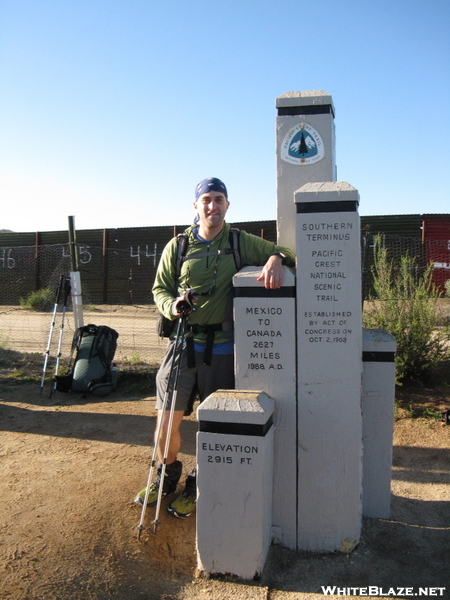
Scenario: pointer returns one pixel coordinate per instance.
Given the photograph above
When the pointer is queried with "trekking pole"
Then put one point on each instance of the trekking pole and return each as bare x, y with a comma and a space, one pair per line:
171, 387
174, 391
184, 307
52, 326
67, 290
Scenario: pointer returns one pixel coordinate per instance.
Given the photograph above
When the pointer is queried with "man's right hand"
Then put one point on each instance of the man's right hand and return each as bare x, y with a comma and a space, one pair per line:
183, 305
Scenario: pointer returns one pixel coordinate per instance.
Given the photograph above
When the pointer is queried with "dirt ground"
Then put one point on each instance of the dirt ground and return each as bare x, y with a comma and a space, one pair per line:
70, 467
69, 470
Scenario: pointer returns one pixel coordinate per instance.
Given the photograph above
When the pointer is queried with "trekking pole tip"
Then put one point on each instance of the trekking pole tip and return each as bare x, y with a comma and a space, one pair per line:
140, 529
155, 524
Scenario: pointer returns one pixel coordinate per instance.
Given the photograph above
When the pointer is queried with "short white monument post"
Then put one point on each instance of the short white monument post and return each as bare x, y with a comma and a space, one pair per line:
305, 151
378, 396
234, 480
329, 352
265, 359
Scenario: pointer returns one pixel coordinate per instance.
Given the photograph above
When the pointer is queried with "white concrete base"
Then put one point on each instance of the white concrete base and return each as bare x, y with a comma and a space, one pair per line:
234, 480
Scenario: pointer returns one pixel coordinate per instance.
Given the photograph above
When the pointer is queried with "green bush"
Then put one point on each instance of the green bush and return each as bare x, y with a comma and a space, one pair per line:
447, 288
42, 300
405, 303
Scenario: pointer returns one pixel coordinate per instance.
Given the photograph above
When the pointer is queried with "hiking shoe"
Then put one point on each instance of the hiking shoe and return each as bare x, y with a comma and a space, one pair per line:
152, 495
171, 478
182, 506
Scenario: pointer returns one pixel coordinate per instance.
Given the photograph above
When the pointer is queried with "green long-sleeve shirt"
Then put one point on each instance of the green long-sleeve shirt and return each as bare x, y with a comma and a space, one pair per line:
210, 275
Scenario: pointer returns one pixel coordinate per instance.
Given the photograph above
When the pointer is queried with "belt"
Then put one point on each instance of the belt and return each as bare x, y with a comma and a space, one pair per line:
210, 331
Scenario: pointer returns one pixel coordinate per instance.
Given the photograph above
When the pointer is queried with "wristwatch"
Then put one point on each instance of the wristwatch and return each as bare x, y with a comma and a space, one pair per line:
281, 255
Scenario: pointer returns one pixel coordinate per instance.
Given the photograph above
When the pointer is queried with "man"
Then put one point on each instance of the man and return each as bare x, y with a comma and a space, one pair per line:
207, 362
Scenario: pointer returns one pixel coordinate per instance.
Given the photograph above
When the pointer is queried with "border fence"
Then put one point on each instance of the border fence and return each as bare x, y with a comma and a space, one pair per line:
118, 267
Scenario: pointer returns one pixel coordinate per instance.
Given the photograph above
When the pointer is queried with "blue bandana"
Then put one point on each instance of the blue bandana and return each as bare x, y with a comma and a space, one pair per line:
212, 184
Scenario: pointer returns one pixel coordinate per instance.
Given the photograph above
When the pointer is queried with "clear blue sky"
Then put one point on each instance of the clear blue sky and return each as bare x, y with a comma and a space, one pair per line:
113, 110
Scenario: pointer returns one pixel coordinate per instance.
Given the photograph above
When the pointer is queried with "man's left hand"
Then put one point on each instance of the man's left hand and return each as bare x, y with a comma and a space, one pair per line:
272, 273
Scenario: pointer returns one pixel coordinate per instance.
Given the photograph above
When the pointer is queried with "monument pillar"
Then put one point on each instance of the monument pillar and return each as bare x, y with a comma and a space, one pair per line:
378, 396
305, 151
265, 359
329, 359
305, 440
234, 478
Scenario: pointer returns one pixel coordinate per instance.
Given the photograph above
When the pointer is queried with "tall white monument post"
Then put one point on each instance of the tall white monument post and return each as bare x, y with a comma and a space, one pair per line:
378, 394
265, 359
305, 151
329, 348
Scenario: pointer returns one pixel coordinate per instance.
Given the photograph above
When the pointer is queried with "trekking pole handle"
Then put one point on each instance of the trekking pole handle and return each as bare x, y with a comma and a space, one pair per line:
59, 290
186, 305
67, 290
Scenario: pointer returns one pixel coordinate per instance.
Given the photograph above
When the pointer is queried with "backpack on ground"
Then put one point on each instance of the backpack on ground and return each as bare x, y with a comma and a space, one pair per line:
164, 326
94, 348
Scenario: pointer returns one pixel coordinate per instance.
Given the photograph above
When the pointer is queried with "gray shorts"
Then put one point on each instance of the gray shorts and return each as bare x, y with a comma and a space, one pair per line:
201, 379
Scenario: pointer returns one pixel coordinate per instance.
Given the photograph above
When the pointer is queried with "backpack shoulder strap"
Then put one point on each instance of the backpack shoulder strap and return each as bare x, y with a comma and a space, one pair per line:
182, 246
234, 243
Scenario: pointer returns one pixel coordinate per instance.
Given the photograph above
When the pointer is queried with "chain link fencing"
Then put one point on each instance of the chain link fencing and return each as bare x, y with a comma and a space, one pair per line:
116, 287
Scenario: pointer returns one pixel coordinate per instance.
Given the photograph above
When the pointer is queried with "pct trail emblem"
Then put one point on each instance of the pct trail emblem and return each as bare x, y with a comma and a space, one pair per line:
302, 145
